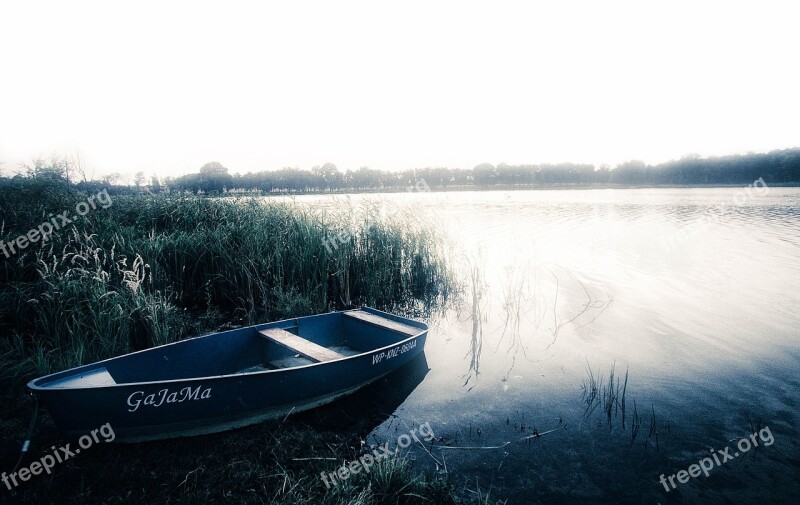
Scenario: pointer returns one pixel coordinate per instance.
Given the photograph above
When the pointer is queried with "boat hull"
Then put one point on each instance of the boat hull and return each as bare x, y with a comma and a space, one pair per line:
178, 408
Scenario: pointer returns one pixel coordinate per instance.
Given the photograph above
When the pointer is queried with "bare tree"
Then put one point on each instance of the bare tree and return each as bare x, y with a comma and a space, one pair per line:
78, 164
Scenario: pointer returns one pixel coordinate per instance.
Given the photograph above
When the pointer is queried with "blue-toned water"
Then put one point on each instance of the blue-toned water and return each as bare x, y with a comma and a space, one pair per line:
694, 292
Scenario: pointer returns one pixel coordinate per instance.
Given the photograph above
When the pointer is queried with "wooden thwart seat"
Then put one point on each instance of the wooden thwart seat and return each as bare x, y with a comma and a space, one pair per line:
306, 348
383, 322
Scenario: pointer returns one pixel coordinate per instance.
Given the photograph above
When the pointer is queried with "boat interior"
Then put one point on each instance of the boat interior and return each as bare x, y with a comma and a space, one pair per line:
273, 346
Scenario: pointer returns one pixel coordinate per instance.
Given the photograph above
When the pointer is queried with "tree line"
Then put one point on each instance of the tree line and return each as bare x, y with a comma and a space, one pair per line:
775, 167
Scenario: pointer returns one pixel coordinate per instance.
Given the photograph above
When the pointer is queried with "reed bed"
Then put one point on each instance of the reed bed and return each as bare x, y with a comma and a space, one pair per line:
610, 396
151, 269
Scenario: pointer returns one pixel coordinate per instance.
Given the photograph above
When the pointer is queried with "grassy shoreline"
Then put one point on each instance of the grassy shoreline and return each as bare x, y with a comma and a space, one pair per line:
148, 270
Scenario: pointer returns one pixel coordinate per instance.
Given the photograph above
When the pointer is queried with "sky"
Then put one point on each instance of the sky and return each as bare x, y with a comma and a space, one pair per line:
165, 87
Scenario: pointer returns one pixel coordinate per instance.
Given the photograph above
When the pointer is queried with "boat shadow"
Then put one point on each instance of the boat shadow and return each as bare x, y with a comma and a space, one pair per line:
367, 408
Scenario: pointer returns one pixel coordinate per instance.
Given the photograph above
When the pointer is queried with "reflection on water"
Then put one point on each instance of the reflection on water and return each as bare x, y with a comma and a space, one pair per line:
535, 304
702, 313
478, 285
374, 404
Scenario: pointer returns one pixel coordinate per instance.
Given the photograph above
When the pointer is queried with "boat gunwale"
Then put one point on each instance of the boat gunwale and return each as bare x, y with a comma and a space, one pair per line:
36, 388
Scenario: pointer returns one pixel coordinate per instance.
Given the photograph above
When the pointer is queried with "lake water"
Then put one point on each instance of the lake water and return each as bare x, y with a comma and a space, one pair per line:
694, 292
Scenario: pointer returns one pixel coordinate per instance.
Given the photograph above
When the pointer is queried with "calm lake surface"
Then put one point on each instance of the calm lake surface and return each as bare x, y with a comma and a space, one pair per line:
694, 292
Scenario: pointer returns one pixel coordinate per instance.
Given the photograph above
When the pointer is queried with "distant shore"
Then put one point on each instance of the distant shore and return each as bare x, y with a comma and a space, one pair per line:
543, 187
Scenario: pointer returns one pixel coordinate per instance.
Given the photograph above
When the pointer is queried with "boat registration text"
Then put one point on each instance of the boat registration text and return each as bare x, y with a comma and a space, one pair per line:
393, 352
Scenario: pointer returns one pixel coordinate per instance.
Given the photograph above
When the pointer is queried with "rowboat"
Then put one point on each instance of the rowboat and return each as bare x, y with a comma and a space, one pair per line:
231, 379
